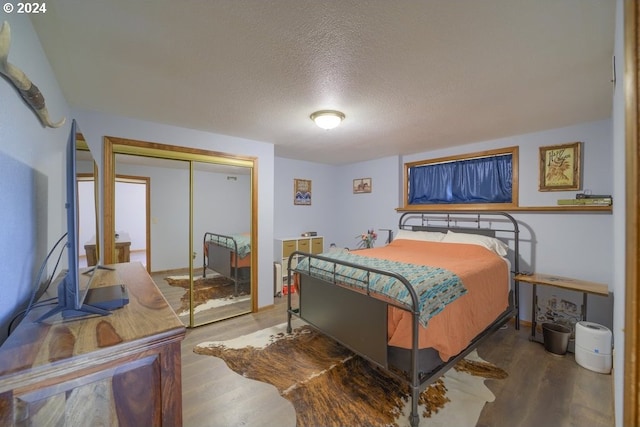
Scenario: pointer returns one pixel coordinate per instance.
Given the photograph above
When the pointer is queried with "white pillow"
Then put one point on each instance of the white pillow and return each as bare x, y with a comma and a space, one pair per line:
491, 243
424, 236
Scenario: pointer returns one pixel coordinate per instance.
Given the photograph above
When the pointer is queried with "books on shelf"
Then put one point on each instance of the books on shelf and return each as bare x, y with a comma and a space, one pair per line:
592, 196
590, 201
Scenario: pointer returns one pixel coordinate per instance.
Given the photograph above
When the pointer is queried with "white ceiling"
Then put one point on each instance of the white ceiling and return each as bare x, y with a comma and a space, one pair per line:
410, 76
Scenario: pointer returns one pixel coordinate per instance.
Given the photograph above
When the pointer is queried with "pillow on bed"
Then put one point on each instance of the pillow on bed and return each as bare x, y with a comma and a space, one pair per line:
491, 243
425, 236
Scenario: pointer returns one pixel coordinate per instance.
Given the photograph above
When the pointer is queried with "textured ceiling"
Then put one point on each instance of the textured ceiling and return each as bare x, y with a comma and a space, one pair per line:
410, 76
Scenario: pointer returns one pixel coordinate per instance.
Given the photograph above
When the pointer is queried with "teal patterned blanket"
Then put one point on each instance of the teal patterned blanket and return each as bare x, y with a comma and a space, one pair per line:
242, 240
436, 287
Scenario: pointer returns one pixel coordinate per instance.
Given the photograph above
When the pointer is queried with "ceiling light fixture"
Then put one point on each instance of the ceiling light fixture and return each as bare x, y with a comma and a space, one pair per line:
327, 119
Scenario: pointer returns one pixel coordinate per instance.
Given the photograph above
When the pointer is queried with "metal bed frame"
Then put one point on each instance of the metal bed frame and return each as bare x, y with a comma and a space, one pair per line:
357, 319
218, 258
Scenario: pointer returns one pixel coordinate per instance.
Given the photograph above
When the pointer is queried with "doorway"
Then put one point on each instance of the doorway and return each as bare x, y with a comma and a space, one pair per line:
132, 216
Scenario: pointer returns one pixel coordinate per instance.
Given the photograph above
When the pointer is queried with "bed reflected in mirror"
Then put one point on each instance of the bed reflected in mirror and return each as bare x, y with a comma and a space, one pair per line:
198, 210
222, 225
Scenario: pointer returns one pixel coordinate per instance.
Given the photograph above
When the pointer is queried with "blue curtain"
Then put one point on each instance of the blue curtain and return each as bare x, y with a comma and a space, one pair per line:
481, 180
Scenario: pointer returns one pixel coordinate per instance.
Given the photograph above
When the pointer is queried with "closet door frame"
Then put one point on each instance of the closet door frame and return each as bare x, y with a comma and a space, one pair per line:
115, 145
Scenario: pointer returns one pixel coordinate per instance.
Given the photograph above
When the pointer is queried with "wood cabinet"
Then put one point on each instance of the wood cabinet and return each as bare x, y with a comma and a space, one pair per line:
123, 249
283, 248
123, 369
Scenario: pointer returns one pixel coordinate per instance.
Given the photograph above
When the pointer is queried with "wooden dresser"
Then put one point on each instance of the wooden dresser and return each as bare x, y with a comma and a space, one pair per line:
118, 370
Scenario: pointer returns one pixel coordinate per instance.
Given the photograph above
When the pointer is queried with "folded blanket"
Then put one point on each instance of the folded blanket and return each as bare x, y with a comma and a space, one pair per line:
243, 242
436, 287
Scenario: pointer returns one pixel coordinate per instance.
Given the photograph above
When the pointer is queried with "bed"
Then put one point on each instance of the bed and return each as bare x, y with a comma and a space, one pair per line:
418, 305
228, 255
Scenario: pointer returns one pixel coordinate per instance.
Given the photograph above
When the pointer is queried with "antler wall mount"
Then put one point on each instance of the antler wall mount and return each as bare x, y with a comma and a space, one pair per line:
29, 92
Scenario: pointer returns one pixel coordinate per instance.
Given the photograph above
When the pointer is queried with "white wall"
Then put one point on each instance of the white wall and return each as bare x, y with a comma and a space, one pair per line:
292, 220
169, 212
130, 213
31, 173
363, 211
220, 205
95, 126
336, 212
86, 215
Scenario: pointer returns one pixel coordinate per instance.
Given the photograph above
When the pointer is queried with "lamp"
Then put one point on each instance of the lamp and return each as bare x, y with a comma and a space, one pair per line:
327, 119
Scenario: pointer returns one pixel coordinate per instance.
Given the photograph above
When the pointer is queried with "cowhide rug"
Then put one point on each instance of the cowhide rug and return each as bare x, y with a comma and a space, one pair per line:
330, 386
208, 292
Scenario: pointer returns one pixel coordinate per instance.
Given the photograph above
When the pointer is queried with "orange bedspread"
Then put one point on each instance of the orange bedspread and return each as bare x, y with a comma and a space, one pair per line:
483, 273
241, 262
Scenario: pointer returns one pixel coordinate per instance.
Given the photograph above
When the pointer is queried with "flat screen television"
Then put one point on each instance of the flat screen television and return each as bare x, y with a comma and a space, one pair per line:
75, 295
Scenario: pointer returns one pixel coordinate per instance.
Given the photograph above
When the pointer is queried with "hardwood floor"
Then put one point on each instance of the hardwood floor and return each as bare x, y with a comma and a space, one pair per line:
542, 389
213, 395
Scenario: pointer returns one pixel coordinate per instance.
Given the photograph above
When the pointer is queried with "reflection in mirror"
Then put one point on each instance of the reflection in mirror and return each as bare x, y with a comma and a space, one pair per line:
87, 171
222, 226
193, 198
152, 213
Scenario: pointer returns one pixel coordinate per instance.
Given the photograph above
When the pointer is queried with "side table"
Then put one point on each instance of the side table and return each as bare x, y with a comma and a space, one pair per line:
560, 282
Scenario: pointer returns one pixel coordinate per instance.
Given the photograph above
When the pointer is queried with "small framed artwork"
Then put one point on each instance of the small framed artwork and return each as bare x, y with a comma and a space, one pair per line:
362, 185
301, 191
560, 167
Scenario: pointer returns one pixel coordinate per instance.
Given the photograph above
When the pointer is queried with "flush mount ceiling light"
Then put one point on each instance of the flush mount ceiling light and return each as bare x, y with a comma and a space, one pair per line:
327, 119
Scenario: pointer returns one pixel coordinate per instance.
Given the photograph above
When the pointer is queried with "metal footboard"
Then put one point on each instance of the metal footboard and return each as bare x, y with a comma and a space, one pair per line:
356, 317
218, 257
330, 307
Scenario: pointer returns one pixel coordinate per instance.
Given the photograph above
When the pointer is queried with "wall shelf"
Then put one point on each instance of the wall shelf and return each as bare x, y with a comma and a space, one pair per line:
557, 209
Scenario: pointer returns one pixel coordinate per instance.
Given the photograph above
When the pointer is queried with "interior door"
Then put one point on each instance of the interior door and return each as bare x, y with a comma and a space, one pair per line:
133, 198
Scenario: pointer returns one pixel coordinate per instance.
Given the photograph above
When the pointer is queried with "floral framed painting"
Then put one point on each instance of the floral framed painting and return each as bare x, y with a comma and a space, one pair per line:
560, 167
362, 185
302, 192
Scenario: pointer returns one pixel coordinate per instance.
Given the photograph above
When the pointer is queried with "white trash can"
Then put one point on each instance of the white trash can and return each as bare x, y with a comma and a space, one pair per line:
594, 345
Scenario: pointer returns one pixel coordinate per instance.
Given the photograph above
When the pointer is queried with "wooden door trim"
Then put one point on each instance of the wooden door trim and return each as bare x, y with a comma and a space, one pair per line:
631, 415
129, 146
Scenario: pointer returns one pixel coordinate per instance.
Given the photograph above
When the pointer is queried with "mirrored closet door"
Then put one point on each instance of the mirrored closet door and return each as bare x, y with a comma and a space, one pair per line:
222, 226
87, 186
200, 215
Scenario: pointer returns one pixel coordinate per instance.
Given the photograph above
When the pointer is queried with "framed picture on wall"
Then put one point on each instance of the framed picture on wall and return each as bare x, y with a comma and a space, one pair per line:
301, 191
560, 167
362, 185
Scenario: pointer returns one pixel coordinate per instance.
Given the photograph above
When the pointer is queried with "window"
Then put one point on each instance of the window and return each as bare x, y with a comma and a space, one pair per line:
484, 180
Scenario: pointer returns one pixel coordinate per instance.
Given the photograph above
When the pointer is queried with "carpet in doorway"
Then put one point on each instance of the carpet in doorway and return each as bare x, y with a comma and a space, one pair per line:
330, 386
